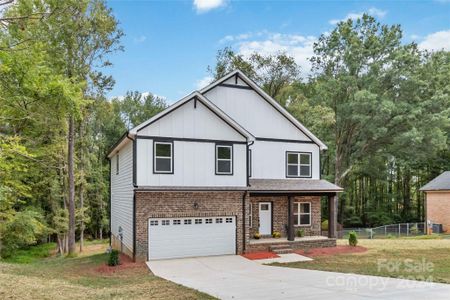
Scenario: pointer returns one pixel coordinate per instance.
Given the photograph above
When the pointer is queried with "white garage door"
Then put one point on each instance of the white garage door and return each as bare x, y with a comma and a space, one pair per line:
189, 237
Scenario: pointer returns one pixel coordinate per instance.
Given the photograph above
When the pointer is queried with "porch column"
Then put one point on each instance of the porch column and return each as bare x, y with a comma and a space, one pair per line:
290, 233
332, 216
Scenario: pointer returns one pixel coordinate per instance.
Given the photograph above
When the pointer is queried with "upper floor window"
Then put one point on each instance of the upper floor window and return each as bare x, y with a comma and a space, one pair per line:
224, 159
302, 213
163, 157
117, 163
298, 164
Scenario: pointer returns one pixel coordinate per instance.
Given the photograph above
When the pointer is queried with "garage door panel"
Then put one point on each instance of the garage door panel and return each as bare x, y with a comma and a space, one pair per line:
188, 237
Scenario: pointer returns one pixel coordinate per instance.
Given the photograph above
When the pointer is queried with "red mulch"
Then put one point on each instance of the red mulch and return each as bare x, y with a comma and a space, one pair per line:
125, 263
260, 255
331, 251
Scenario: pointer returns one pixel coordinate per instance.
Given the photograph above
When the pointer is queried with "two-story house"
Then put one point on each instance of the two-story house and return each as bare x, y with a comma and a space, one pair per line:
213, 171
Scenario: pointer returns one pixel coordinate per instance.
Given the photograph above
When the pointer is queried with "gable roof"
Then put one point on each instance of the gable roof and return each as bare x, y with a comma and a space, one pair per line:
196, 96
270, 100
440, 183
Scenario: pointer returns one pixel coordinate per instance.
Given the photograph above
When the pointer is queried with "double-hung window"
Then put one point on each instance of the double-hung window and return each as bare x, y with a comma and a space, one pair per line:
163, 157
302, 213
298, 164
224, 159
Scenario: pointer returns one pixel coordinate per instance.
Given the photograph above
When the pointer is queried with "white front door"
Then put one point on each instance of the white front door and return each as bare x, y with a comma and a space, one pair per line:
265, 218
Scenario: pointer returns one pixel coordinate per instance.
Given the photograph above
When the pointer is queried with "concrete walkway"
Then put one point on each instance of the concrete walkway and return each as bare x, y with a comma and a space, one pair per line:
235, 277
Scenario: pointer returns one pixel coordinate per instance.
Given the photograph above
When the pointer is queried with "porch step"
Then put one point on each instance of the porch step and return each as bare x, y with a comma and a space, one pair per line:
281, 249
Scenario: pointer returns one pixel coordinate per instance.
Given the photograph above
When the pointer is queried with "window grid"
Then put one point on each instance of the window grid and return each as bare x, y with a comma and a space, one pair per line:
298, 164
198, 221
156, 157
187, 222
298, 213
219, 220
165, 222
176, 222
208, 221
230, 160
229, 220
154, 223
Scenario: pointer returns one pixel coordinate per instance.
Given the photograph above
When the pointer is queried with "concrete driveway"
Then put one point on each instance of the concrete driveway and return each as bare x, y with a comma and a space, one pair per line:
235, 277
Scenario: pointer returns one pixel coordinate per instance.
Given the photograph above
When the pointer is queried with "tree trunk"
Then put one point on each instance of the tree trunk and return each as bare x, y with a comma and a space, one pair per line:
70, 159
81, 189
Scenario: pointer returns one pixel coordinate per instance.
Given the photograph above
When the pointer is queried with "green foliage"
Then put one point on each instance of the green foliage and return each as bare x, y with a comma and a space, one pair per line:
271, 72
31, 254
353, 239
324, 225
257, 236
24, 229
301, 232
113, 258
276, 234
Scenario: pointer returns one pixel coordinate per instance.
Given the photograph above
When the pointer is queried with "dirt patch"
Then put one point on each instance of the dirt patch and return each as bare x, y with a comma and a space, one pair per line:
126, 263
331, 251
260, 255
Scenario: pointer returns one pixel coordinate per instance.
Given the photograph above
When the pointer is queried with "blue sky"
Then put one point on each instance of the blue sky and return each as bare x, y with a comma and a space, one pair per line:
169, 44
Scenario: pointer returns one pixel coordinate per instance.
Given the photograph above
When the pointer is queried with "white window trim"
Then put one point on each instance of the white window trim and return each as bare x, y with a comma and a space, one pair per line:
224, 159
164, 157
298, 214
298, 165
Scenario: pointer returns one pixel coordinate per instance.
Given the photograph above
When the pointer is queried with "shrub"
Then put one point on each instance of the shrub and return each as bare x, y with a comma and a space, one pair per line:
257, 236
276, 234
24, 229
414, 230
324, 225
353, 239
301, 232
113, 259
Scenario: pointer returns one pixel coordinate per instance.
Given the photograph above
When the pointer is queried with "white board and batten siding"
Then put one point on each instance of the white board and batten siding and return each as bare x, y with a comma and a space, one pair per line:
269, 158
260, 118
122, 195
193, 161
254, 113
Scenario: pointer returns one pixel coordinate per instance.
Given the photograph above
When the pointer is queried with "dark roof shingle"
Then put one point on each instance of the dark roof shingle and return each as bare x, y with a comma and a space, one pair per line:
440, 183
294, 185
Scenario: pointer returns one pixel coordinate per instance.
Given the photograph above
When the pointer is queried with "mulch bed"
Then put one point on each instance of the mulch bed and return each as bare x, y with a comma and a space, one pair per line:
260, 255
331, 251
125, 263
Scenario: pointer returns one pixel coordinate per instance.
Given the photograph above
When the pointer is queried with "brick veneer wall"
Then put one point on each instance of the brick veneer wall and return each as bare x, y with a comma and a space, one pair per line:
438, 208
280, 213
304, 245
168, 204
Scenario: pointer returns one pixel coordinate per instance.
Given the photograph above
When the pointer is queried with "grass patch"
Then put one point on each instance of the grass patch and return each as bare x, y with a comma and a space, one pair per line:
35, 274
32, 254
416, 259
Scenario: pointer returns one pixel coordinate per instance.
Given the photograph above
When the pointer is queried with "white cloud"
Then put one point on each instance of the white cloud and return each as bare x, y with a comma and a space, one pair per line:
201, 83
373, 11
140, 39
264, 42
436, 41
207, 5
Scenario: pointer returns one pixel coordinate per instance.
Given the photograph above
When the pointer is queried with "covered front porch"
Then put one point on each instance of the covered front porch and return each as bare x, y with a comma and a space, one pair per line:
286, 214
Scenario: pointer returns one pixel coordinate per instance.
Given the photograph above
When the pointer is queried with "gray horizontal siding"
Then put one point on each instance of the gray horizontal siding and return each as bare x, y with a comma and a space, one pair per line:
122, 195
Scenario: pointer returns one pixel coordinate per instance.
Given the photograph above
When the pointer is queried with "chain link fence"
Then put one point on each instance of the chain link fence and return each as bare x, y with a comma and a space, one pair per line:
387, 231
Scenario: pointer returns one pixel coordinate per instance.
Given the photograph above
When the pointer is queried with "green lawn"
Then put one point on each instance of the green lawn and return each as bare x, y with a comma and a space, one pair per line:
410, 258
36, 274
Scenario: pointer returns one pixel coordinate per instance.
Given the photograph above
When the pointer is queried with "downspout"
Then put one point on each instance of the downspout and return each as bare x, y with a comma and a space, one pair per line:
248, 165
244, 217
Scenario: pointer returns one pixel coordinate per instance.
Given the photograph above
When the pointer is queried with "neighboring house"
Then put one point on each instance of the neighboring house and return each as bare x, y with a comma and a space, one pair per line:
437, 200
205, 175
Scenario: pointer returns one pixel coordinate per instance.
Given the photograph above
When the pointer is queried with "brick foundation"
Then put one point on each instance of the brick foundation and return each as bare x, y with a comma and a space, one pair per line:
438, 208
167, 204
303, 245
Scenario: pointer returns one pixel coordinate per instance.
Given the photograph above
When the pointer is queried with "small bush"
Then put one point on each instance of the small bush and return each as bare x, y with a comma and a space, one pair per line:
301, 232
113, 259
324, 225
414, 230
353, 239
257, 236
276, 234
